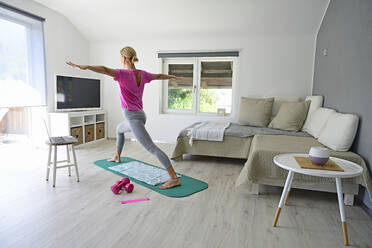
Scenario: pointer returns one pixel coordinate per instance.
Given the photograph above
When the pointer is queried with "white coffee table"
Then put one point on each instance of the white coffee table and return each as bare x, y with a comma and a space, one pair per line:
287, 162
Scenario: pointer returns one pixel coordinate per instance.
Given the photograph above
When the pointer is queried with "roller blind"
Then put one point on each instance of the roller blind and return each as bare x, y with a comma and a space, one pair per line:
22, 60
198, 54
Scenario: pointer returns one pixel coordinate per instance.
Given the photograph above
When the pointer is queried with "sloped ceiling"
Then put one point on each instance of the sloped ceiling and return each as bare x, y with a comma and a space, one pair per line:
102, 20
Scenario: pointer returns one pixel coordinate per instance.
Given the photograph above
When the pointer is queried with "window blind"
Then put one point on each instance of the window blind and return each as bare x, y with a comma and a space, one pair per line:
21, 12
198, 54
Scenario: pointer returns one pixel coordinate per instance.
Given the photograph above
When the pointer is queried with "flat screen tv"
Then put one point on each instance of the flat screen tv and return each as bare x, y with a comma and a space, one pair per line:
74, 93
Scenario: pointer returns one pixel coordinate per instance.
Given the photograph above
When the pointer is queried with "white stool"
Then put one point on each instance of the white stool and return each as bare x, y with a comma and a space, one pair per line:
67, 143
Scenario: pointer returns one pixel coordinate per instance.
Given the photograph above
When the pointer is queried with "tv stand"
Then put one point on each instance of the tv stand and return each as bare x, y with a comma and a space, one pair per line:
86, 126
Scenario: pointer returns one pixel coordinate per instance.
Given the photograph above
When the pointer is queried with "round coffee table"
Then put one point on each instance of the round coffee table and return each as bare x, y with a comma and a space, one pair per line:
288, 162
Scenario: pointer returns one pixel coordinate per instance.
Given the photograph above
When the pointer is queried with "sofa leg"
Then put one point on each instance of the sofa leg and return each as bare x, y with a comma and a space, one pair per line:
349, 199
179, 158
255, 189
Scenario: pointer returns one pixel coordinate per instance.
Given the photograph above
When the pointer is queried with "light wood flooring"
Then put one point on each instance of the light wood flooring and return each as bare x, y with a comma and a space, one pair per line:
88, 214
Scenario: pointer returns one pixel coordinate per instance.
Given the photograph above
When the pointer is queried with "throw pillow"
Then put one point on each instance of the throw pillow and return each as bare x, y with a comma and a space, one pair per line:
291, 116
255, 111
278, 100
315, 123
316, 103
339, 132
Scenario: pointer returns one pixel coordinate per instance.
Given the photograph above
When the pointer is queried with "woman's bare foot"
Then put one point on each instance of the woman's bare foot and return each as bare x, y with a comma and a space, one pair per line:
171, 183
114, 159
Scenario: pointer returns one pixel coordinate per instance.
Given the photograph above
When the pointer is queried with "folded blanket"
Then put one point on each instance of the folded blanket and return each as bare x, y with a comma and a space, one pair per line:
241, 131
211, 131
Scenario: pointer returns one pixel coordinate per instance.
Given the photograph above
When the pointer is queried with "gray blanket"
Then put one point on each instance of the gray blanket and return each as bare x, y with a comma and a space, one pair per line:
236, 130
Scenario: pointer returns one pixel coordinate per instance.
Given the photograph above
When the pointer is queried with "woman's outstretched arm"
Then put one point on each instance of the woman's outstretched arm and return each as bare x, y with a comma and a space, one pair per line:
164, 77
99, 69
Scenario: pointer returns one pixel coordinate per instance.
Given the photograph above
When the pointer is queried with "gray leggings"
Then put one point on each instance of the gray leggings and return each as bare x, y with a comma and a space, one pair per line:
135, 122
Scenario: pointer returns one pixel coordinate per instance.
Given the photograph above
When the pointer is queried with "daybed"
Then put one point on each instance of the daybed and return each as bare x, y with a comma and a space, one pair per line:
260, 146
236, 143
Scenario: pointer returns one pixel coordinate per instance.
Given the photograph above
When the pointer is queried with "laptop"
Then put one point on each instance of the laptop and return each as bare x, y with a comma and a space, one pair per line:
59, 139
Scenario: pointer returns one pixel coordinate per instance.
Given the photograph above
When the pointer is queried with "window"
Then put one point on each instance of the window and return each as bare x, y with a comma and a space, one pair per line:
22, 71
206, 86
180, 92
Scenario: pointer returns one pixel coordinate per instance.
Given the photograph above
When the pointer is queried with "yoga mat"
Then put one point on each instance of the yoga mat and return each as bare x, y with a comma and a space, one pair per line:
143, 172
188, 185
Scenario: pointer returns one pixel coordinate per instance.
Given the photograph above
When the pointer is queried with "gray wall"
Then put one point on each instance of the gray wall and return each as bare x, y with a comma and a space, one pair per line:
344, 76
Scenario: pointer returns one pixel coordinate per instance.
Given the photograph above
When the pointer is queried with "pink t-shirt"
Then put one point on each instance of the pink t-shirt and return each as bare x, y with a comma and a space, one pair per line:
130, 92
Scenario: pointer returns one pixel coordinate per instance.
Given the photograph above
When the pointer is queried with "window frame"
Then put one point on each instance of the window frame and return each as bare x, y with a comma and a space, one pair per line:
196, 61
164, 83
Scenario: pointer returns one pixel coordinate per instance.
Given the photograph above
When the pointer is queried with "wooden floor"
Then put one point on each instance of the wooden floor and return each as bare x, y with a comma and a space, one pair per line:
87, 214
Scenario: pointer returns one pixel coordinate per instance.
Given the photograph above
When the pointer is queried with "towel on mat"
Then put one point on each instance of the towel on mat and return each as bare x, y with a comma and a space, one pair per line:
207, 130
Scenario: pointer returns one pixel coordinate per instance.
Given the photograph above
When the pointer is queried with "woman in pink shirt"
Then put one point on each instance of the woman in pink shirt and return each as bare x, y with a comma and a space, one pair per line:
131, 85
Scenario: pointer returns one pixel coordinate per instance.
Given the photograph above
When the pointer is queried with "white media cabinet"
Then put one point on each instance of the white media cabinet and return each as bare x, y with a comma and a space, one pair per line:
86, 126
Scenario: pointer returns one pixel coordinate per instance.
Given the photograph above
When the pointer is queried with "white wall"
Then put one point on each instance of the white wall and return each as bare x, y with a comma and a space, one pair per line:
268, 65
62, 42
277, 64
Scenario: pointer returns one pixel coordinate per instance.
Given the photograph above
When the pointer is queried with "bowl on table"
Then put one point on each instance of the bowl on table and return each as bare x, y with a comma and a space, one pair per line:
319, 155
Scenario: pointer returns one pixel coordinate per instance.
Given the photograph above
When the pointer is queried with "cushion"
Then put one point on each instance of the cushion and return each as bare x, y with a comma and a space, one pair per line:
291, 116
255, 111
278, 100
316, 103
316, 122
339, 131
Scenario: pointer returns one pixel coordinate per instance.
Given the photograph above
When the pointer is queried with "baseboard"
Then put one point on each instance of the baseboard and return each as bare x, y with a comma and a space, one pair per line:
360, 203
366, 209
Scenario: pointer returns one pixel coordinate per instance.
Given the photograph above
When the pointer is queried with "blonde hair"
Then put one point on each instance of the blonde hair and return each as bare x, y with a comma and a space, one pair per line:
129, 53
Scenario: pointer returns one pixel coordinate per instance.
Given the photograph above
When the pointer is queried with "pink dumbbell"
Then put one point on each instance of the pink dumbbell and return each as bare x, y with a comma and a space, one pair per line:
129, 187
124, 183
116, 187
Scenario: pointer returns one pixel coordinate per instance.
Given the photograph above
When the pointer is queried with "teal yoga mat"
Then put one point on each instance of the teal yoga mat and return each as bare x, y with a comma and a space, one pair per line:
188, 185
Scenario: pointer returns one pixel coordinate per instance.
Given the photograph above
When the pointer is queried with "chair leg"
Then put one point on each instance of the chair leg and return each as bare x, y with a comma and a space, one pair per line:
48, 164
55, 166
68, 160
75, 162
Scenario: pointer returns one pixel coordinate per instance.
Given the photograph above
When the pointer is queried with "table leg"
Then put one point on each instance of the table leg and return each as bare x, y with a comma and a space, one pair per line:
342, 211
286, 189
287, 193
